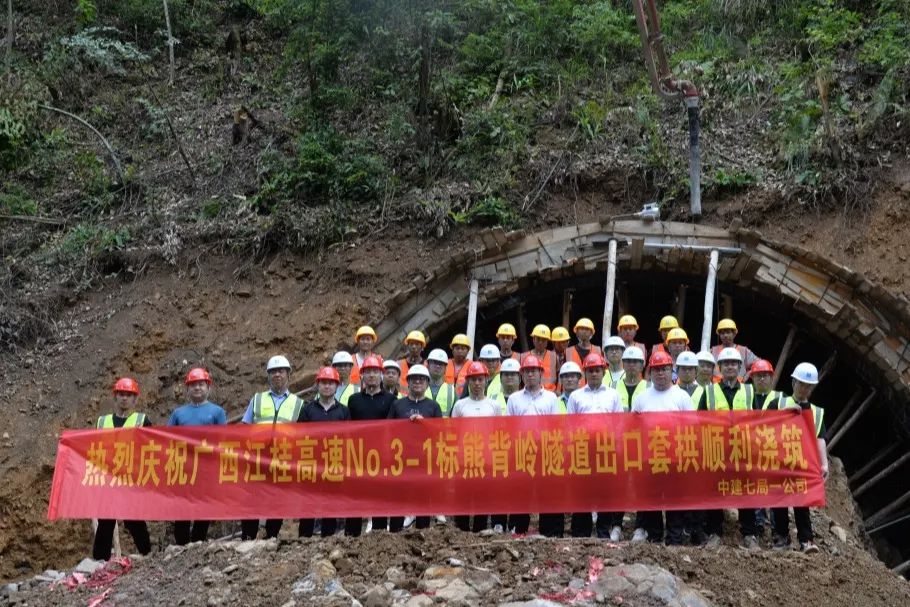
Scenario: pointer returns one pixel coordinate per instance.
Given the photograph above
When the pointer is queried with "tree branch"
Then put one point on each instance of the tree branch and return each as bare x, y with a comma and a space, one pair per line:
106, 143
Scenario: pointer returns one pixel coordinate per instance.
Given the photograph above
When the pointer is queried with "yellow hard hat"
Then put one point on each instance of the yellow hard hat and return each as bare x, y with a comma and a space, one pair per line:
460, 340
584, 323
416, 336
542, 331
365, 330
627, 321
560, 334
726, 323
677, 333
506, 330
668, 322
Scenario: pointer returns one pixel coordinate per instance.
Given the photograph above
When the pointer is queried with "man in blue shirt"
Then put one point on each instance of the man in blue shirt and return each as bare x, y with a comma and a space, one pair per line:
198, 412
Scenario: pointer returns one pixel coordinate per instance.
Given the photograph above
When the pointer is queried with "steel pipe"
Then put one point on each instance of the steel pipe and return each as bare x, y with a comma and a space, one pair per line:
709, 300
611, 291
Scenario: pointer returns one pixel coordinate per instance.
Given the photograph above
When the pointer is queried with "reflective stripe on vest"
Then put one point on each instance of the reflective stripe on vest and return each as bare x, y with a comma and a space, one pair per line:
133, 420
445, 398
818, 414
563, 401
457, 379
624, 393
264, 409
500, 397
349, 390
742, 400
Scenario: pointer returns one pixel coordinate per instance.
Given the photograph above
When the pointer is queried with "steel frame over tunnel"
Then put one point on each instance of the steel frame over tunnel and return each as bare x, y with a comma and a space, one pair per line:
856, 332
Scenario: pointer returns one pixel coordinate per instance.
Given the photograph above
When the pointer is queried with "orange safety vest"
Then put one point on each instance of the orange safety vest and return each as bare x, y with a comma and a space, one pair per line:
515, 356
403, 381
457, 379
355, 372
549, 368
572, 355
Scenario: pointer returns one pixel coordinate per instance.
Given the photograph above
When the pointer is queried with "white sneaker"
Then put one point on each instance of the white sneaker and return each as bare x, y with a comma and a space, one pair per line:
616, 534
369, 526
594, 517
713, 541
409, 520
497, 529
640, 535
440, 519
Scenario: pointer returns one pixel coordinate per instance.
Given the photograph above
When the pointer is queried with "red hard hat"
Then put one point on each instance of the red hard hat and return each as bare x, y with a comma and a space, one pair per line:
660, 359
371, 362
477, 368
127, 384
531, 362
761, 366
198, 374
593, 359
328, 373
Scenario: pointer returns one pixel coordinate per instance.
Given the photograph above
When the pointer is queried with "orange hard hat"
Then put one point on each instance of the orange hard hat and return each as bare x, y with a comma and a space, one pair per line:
594, 359
127, 384
531, 362
371, 362
761, 366
477, 368
660, 359
197, 374
328, 374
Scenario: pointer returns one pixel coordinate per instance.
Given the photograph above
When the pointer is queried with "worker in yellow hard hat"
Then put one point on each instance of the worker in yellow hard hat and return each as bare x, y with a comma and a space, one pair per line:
506, 336
365, 339
457, 367
667, 324
541, 337
584, 332
726, 332
627, 329
560, 338
415, 342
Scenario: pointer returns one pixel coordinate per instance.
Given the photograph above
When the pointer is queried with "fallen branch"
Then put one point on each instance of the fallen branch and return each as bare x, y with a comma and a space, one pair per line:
106, 143
47, 220
170, 127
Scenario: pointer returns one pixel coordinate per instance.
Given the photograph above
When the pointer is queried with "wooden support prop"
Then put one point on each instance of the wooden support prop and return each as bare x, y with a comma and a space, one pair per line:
875, 479
887, 510
873, 463
900, 518
522, 328
853, 419
827, 367
900, 569
844, 414
607, 325
567, 297
709, 301
472, 316
789, 344
681, 302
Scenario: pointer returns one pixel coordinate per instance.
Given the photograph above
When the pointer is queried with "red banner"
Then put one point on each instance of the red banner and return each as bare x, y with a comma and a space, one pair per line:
564, 463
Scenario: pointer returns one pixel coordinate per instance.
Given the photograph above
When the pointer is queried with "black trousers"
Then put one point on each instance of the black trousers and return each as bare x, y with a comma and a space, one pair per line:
500, 519
582, 525
104, 538
519, 522
250, 529
463, 522
354, 526
803, 523
653, 523
190, 531
553, 524
396, 523
714, 522
327, 527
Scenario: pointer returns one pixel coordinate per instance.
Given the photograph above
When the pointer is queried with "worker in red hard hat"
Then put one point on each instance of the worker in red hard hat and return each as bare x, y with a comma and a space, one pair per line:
199, 411
126, 394
324, 408
372, 402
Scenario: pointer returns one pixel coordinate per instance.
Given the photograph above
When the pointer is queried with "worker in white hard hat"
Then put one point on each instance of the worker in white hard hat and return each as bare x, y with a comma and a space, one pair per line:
706, 366
686, 371
276, 405
415, 406
613, 351
805, 378
439, 389
489, 356
391, 378
510, 382
632, 384
729, 395
569, 380
343, 362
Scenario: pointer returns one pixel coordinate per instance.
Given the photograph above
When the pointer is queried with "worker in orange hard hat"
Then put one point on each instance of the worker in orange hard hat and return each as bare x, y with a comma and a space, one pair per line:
126, 394
414, 343
365, 339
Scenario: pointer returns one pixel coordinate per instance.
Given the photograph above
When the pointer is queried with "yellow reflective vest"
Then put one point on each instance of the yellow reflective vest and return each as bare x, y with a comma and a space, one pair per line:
717, 401
264, 410
444, 395
818, 414
345, 393
133, 420
624, 392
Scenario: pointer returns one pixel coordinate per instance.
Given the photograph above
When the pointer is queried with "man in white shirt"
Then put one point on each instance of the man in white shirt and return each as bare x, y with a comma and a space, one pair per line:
595, 397
534, 400
662, 395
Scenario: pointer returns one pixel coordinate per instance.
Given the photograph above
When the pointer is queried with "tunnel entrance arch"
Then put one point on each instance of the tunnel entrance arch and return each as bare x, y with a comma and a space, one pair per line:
857, 333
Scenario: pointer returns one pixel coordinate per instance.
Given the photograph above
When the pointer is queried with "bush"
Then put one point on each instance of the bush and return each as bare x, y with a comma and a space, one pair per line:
95, 47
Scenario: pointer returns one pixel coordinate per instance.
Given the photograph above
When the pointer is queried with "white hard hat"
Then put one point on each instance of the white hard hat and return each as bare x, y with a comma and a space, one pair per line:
730, 354
569, 367
686, 359
391, 364
705, 357
490, 351
438, 355
806, 373
342, 358
633, 353
418, 370
510, 365
278, 362
615, 341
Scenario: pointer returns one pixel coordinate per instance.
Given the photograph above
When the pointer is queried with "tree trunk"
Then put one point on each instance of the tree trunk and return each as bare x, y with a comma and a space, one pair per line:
170, 43
9, 36
423, 88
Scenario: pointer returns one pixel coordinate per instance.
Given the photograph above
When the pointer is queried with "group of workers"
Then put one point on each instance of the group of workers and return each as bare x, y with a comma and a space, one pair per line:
620, 377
